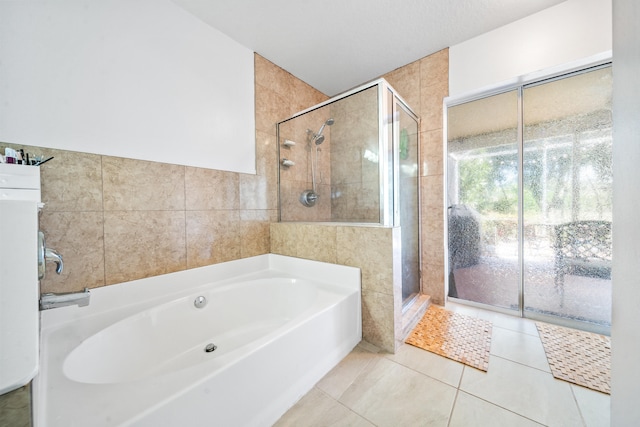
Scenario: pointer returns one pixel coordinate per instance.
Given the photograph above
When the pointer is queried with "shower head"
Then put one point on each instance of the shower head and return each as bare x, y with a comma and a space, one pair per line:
319, 137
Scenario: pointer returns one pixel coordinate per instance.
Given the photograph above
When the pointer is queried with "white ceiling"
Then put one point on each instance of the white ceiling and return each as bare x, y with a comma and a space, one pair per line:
335, 45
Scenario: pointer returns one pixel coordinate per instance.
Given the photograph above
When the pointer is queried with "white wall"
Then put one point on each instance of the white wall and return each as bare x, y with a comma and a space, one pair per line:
568, 32
140, 79
625, 330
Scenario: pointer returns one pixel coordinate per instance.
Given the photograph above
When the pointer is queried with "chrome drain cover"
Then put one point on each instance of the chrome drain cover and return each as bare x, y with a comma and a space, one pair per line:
200, 302
210, 347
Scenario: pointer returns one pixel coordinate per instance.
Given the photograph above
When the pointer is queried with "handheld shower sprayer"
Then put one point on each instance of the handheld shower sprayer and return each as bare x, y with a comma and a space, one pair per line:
319, 137
310, 197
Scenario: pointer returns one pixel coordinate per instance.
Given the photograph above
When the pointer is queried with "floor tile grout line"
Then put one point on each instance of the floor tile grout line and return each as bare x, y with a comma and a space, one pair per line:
453, 406
575, 400
356, 377
501, 407
537, 335
464, 369
427, 375
522, 364
344, 406
491, 353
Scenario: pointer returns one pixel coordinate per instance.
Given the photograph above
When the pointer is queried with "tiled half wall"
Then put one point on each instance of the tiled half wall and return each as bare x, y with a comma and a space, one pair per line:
373, 249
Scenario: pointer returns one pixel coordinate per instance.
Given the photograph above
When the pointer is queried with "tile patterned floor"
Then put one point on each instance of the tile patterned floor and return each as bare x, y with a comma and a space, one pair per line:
417, 388
453, 335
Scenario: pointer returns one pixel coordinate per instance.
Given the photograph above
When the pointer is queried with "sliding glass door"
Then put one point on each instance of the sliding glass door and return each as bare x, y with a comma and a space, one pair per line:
567, 197
529, 191
483, 201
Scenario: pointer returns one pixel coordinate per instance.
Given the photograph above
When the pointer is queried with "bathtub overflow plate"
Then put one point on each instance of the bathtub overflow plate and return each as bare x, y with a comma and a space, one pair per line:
210, 347
200, 302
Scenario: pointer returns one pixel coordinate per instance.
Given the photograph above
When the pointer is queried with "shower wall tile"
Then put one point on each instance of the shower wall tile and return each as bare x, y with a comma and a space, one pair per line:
433, 282
370, 249
432, 152
347, 158
208, 189
257, 192
299, 95
406, 80
433, 249
304, 96
272, 77
259, 215
267, 155
432, 191
436, 220
378, 320
434, 69
270, 108
300, 155
140, 244
317, 242
141, 185
432, 96
72, 181
212, 237
284, 238
78, 236
254, 238
293, 210
353, 173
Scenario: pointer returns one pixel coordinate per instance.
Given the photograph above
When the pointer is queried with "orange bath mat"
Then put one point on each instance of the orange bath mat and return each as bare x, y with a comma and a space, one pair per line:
579, 357
456, 336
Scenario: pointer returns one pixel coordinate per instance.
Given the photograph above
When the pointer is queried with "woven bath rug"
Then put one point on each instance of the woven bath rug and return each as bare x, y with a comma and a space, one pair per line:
456, 336
578, 357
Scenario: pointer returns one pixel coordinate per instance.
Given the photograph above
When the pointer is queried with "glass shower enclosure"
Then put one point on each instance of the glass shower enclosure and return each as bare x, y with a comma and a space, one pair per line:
354, 159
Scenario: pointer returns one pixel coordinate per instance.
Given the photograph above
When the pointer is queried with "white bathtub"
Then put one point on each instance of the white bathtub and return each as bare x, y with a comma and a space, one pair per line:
136, 355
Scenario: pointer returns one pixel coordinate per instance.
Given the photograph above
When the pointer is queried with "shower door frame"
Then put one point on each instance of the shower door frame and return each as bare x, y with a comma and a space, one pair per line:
399, 103
518, 84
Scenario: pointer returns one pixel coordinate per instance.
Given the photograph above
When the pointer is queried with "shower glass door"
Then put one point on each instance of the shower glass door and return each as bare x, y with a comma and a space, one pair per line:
408, 205
482, 191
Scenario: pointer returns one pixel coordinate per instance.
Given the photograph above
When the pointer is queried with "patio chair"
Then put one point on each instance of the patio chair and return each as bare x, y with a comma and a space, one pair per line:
582, 248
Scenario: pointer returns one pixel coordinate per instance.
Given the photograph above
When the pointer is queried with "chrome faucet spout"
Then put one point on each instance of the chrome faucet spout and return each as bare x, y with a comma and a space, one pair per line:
50, 300
51, 255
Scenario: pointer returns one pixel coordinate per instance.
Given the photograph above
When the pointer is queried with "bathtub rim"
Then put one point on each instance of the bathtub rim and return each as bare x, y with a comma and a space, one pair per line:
108, 298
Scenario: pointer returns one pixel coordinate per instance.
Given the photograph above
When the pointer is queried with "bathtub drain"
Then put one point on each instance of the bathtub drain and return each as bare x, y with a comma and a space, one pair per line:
210, 347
